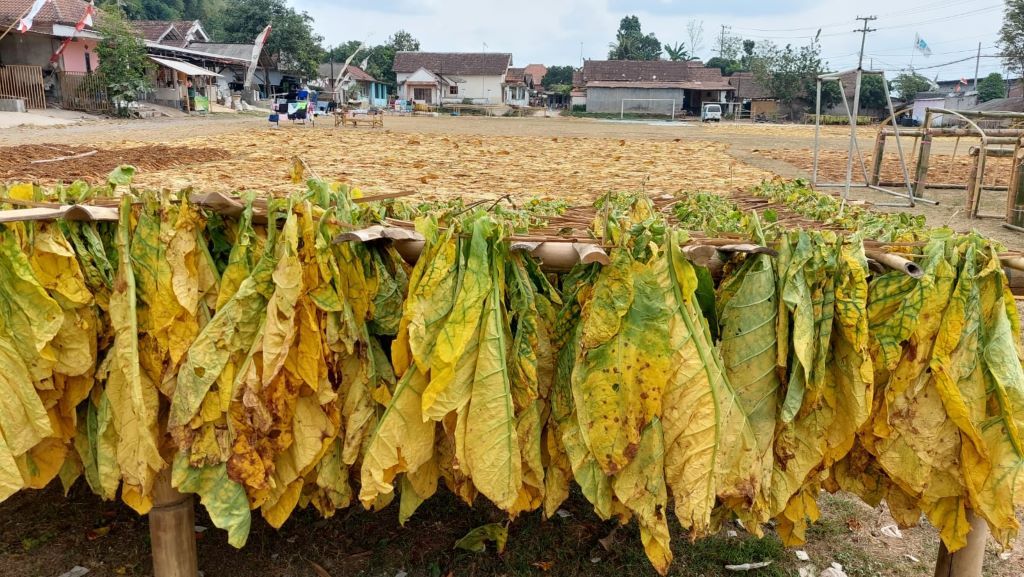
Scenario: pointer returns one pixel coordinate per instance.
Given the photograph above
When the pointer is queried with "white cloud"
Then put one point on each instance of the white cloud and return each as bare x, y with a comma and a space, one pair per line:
552, 32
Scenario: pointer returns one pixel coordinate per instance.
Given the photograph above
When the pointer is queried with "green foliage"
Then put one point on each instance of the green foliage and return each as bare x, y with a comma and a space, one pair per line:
728, 67
124, 64
558, 75
380, 59
790, 74
991, 87
631, 43
1011, 36
908, 85
292, 42
872, 92
676, 52
710, 213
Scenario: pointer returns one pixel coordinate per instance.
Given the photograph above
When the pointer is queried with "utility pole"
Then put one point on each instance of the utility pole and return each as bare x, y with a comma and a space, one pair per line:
721, 42
863, 37
856, 102
977, 62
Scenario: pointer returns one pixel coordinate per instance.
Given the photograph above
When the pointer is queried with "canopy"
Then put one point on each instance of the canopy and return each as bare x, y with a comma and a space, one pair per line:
190, 69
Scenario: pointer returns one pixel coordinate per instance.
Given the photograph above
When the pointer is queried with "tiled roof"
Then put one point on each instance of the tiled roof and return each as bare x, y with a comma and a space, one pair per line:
682, 85
355, 72
459, 63
747, 86
537, 71
67, 12
650, 71
515, 77
153, 30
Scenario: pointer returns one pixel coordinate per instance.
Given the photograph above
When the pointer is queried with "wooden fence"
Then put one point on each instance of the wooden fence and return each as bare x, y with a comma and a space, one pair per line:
82, 91
26, 82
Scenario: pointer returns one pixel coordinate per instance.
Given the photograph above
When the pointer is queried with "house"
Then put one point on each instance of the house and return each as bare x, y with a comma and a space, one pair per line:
614, 85
450, 77
358, 85
751, 99
942, 99
178, 33
518, 86
27, 71
537, 72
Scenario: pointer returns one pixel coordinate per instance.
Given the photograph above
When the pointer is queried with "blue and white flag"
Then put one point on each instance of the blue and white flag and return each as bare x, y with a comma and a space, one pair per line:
921, 45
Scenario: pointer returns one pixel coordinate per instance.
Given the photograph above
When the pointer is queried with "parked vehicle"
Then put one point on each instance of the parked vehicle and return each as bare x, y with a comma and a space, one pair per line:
711, 113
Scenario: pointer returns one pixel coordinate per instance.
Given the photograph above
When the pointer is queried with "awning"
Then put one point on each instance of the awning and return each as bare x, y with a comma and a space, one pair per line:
189, 69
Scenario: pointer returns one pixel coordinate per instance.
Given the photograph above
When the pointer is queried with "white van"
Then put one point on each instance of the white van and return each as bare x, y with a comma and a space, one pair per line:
711, 112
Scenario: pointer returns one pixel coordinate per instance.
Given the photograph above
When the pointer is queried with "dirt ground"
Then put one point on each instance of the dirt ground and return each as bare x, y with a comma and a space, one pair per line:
571, 158
43, 534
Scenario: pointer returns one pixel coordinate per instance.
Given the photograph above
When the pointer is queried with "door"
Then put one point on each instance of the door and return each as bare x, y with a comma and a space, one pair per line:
422, 94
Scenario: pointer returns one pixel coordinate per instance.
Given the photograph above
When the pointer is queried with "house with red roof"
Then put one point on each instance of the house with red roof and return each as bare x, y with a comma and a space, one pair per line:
452, 77
655, 86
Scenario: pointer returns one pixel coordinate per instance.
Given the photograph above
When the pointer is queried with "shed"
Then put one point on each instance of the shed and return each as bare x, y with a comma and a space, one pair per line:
618, 85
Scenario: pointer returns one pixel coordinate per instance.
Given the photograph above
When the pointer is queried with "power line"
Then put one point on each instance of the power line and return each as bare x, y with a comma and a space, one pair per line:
914, 10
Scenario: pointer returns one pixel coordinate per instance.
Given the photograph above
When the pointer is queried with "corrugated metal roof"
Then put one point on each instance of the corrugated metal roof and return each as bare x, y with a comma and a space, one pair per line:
190, 69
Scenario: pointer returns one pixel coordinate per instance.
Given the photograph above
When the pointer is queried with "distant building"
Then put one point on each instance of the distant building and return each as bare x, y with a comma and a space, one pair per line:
942, 99
751, 99
177, 33
537, 72
359, 87
439, 77
614, 85
518, 86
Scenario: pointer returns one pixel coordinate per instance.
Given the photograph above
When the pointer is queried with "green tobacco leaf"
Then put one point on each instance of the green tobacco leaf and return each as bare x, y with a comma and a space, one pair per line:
224, 499
477, 539
749, 310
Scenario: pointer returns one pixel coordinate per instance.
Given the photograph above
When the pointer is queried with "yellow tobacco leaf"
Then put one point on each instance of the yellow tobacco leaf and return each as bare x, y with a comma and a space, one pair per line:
446, 392
640, 486
402, 441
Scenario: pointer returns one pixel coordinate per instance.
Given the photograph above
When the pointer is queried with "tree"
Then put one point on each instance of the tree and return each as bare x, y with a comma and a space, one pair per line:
676, 52
631, 43
872, 92
789, 74
907, 85
292, 42
382, 58
124, 64
695, 32
991, 87
558, 76
728, 67
1011, 36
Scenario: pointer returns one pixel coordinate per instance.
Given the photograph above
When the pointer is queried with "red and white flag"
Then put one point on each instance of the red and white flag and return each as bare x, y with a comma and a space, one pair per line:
26, 23
86, 20
257, 48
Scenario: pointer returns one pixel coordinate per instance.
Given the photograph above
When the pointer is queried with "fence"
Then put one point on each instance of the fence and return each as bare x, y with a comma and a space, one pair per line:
25, 82
82, 91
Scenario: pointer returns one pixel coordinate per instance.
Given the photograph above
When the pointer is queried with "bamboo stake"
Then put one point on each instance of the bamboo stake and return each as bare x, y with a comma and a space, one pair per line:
966, 562
172, 530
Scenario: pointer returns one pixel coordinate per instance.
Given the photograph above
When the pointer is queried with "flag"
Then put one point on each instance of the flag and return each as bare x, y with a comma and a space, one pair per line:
963, 81
921, 45
257, 48
364, 63
86, 20
26, 23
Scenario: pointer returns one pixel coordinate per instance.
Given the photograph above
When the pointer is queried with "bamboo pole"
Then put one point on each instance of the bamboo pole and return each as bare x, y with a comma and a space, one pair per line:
972, 184
1015, 195
966, 562
172, 530
876, 161
921, 177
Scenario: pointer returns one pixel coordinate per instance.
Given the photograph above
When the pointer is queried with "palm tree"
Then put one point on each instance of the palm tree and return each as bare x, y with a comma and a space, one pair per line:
676, 52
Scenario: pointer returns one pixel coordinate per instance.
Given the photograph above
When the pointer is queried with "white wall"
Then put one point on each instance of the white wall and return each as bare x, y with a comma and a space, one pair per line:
482, 88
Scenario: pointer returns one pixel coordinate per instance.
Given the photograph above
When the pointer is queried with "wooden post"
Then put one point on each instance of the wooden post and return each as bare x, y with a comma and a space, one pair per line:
972, 182
876, 161
1015, 194
921, 177
966, 562
172, 530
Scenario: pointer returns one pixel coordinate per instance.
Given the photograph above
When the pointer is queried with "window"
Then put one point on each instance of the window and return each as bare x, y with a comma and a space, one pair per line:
453, 90
88, 62
421, 94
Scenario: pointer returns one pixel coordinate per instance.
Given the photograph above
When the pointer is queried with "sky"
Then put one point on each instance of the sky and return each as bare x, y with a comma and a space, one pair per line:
558, 32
